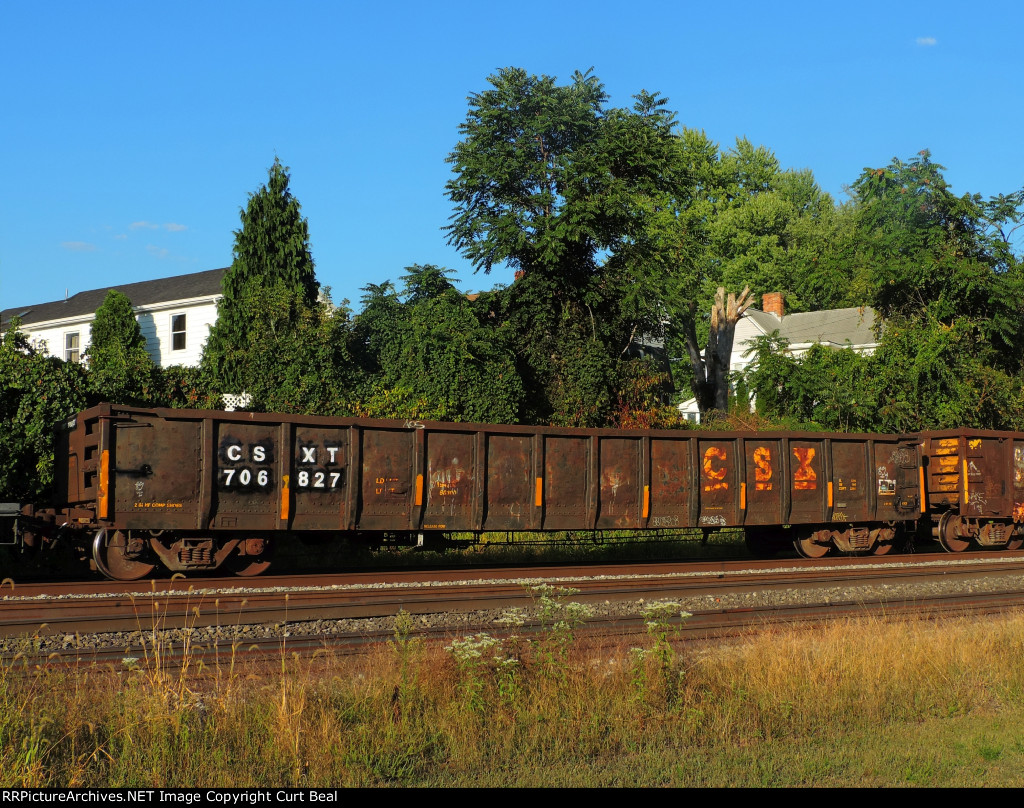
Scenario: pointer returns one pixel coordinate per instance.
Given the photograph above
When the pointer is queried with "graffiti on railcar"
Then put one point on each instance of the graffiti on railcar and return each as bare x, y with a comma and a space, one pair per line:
886, 484
444, 482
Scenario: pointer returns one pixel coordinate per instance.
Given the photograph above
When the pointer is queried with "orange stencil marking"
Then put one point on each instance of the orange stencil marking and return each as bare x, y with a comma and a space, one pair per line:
805, 478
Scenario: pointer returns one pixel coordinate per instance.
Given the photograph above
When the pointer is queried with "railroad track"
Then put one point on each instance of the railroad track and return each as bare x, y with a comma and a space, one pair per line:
353, 609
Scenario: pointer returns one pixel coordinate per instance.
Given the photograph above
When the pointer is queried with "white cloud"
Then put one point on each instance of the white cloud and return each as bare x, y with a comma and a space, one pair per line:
927, 41
173, 227
159, 252
78, 246
121, 236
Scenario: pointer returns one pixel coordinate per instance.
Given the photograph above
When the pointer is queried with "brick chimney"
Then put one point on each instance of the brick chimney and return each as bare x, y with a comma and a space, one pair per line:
772, 303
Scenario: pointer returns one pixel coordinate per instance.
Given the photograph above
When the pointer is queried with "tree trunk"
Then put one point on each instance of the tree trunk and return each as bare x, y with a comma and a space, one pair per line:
711, 370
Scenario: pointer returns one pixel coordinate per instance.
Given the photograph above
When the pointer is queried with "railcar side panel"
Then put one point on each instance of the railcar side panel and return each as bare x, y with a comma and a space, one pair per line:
719, 483
566, 482
765, 481
1018, 481
155, 473
850, 482
620, 494
943, 471
451, 480
988, 467
808, 482
896, 487
388, 479
249, 467
318, 477
672, 486
509, 501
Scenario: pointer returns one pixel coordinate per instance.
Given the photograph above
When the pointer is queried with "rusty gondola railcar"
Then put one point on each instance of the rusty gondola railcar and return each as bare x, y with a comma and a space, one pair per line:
975, 488
199, 490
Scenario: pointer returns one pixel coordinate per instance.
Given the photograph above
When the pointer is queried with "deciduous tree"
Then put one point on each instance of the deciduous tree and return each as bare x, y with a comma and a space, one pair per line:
36, 392
555, 184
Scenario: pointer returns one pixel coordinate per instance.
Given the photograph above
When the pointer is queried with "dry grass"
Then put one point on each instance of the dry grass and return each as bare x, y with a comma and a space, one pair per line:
862, 703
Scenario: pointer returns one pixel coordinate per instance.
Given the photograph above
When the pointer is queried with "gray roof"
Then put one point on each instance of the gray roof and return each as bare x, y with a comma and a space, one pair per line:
833, 325
143, 293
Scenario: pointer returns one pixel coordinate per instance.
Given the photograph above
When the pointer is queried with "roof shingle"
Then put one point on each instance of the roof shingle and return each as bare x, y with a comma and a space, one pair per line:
142, 293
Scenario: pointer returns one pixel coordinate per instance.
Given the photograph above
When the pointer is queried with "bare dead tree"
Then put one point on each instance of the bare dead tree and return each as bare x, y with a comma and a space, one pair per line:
711, 369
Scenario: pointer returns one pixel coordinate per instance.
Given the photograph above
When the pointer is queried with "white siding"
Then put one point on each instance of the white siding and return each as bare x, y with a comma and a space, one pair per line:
155, 324
743, 337
51, 336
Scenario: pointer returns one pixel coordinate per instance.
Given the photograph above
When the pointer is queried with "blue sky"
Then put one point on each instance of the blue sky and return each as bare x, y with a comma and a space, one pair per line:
133, 132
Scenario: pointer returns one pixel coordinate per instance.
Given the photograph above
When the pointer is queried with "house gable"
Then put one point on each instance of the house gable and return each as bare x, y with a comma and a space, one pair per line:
835, 328
174, 315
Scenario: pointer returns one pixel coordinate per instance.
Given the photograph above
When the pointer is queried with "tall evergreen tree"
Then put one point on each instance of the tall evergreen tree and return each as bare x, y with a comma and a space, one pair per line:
271, 256
120, 368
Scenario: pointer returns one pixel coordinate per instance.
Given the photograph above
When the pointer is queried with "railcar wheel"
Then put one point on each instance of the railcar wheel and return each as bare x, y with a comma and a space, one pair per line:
949, 534
247, 566
886, 540
808, 547
254, 561
114, 557
1016, 540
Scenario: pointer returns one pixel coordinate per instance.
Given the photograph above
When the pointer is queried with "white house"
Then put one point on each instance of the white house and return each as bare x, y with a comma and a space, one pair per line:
174, 314
836, 328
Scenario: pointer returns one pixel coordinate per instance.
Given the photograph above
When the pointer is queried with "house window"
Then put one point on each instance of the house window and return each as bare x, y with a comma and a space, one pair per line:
71, 350
178, 332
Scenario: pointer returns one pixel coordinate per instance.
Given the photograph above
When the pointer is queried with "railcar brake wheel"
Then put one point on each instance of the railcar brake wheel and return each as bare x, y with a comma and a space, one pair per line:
949, 534
112, 558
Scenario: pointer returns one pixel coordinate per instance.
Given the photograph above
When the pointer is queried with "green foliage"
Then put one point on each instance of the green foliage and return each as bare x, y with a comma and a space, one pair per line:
185, 388
642, 392
568, 192
826, 388
930, 375
433, 353
295, 357
940, 271
940, 256
545, 174
36, 391
581, 389
272, 261
923, 375
120, 368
